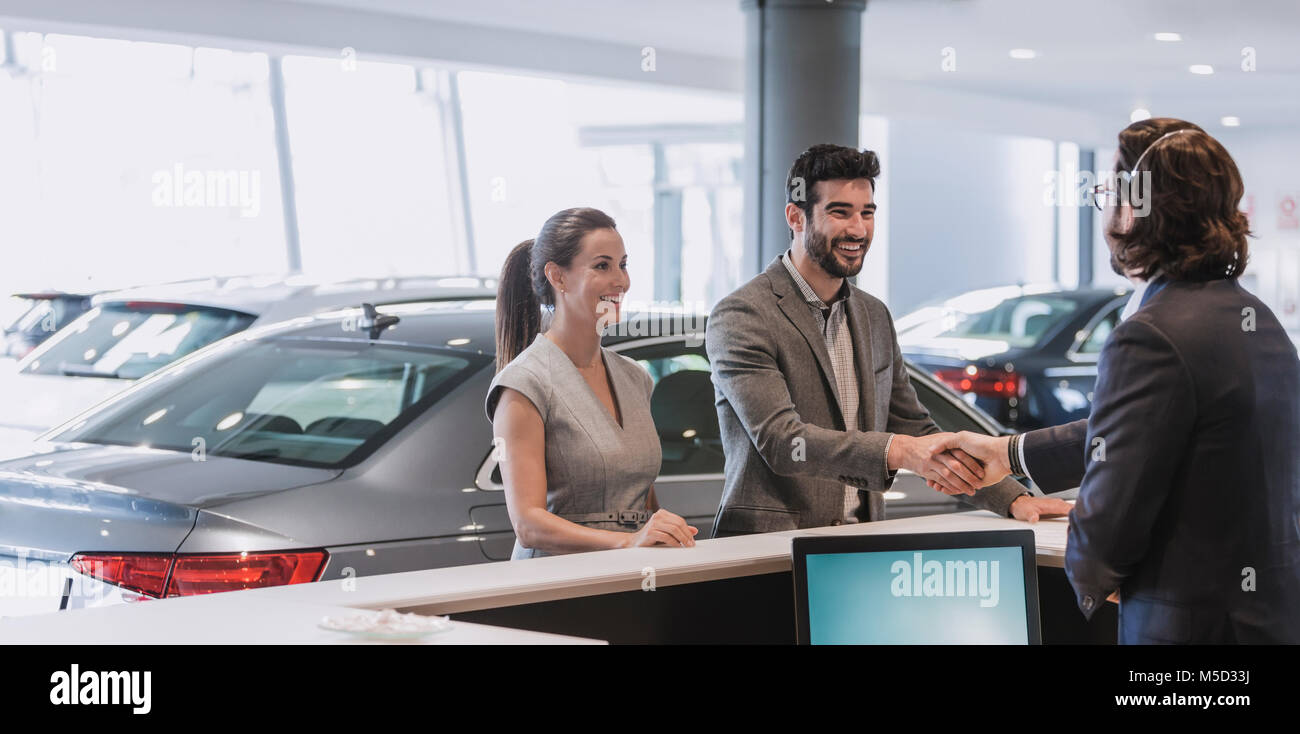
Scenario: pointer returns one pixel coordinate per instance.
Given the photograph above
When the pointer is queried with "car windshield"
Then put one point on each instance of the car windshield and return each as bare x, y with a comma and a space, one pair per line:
131, 339
308, 402
1018, 322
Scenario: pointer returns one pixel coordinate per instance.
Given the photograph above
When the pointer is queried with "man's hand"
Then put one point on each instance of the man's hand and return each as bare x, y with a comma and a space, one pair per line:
990, 451
930, 457
1031, 509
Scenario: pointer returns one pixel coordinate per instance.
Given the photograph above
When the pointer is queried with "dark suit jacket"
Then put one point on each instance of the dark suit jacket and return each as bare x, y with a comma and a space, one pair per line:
1189, 472
788, 454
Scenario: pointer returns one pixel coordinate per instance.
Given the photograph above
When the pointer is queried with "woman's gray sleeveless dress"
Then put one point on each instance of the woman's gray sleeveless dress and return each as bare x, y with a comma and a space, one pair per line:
598, 474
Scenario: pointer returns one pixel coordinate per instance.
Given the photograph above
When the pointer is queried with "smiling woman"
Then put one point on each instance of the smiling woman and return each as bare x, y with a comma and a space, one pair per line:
571, 420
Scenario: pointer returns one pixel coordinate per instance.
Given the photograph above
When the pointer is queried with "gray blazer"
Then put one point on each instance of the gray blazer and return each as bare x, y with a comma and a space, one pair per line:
788, 454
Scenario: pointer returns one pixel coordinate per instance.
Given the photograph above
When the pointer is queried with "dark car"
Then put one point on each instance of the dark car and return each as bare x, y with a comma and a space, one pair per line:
326, 448
1025, 355
46, 312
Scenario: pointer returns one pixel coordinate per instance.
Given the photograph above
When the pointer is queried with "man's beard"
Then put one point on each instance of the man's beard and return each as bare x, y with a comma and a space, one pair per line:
822, 252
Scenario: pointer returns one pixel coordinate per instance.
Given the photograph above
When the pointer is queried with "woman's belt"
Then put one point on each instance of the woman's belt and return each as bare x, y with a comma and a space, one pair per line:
631, 518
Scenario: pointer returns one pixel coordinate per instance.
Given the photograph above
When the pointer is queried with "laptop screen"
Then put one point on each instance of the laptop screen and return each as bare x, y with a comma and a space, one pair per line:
904, 589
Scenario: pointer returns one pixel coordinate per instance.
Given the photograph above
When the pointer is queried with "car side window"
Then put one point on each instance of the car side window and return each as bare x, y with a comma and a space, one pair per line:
1101, 331
682, 406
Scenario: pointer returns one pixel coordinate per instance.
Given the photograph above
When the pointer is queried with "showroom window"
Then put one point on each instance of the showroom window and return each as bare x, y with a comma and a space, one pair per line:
372, 180
137, 162
663, 163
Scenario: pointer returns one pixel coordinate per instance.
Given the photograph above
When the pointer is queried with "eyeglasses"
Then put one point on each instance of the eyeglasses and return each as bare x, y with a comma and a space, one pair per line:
1100, 193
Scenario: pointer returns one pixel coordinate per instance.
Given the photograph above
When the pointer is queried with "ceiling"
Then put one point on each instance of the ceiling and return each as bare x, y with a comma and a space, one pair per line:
1095, 62
1100, 57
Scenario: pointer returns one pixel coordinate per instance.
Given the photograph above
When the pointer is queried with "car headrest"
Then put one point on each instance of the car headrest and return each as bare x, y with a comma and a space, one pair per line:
1035, 324
684, 401
344, 427
271, 422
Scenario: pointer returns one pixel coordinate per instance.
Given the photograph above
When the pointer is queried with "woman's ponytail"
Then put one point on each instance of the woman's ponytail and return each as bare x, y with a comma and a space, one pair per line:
519, 314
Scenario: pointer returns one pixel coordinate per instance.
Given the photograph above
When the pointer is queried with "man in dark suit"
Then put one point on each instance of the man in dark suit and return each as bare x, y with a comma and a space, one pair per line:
1189, 465
816, 410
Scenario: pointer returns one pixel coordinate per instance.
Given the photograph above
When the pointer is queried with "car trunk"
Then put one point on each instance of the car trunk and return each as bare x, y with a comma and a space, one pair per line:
75, 498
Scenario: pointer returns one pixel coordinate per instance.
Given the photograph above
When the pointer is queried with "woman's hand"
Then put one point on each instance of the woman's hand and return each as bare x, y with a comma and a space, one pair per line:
664, 528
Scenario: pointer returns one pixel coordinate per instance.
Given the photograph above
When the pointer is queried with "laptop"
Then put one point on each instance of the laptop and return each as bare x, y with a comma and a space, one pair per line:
962, 588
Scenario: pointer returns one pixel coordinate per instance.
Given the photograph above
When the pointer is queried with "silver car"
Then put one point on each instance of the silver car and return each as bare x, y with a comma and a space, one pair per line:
326, 447
127, 334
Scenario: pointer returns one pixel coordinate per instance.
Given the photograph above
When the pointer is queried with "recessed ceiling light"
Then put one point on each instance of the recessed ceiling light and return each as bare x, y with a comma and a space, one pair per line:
1141, 113
1166, 36
1201, 69
1023, 53
1230, 121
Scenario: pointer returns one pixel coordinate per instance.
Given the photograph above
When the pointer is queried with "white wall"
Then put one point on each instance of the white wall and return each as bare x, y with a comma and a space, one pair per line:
1270, 168
966, 211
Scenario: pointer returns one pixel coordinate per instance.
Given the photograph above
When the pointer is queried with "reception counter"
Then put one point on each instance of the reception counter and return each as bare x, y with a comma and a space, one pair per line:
735, 589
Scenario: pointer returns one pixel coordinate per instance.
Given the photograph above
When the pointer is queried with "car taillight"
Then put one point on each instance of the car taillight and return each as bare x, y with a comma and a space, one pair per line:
988, 383
170, 574
145, 574
205, 574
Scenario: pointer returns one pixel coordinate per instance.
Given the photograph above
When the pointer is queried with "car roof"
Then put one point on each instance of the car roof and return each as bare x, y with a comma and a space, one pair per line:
49, 295
277, 297
461, 324
1041, 289
981, 299
1096, 294
469, 326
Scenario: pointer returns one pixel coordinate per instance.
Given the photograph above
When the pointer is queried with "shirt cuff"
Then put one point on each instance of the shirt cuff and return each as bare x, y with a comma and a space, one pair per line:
1020, 456
891, 473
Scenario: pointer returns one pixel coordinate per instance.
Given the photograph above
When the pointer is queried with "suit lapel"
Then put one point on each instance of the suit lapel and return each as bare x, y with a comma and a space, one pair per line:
860, 331
799, 312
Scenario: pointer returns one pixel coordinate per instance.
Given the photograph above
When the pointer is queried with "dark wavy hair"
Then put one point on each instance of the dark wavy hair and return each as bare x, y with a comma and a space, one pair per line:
1194, 229
827, 162
524, 289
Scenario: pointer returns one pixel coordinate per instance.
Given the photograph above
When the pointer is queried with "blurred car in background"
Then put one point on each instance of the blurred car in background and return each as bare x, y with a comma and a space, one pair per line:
1027, 355
306, 451
41, 314
127, 334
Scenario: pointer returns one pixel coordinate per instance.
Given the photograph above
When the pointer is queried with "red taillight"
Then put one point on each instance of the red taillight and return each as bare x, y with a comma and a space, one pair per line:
186, 575
145, 574
989, 383
206, 574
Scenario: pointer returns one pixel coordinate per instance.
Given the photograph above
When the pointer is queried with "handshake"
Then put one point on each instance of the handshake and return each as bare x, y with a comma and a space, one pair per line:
962, 463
